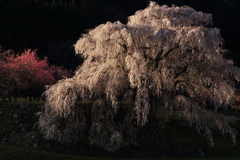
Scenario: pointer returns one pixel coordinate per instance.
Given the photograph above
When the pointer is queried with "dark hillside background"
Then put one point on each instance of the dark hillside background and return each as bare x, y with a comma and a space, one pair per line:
53, 26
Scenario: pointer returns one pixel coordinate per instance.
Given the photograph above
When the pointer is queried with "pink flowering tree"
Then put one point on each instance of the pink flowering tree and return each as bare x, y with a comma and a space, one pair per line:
27, 75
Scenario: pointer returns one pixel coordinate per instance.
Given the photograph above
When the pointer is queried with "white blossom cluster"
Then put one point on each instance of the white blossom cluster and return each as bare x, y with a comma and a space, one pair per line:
170, 53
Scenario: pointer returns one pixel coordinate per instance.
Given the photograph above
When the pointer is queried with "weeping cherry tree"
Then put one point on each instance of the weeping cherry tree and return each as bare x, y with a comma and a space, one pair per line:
170, 53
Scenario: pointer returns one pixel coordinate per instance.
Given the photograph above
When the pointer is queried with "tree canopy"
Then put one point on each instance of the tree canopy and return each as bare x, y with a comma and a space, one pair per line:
171, 54
36, 23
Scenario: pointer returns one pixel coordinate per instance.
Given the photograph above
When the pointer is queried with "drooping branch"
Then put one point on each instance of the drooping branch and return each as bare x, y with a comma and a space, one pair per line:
171, 53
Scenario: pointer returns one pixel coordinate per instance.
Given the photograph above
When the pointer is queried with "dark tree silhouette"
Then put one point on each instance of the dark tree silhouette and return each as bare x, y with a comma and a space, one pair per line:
170, 53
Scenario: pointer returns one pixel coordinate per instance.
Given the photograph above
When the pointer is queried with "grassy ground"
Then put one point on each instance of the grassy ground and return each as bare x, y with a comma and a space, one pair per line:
19, 153
173, 132
223, 145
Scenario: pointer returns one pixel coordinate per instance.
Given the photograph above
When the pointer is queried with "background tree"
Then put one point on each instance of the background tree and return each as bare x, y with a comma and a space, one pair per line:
26, 75
170, 54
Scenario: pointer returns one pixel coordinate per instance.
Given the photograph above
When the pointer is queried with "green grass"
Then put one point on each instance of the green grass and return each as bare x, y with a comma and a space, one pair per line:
175, 131
33, 100
223, 145
19, 153
224, 150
